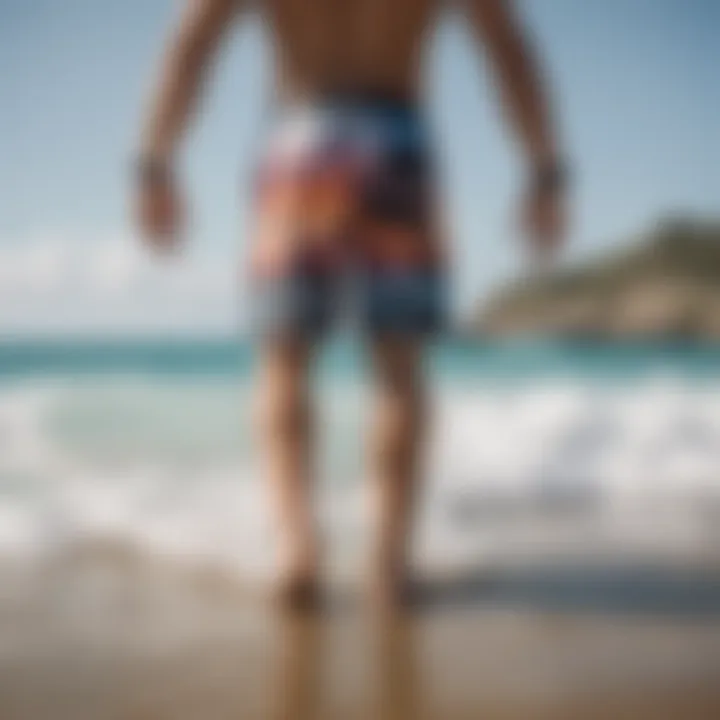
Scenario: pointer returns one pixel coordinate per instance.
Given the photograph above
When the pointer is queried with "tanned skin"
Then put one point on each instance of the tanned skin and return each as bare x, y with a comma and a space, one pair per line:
352, 45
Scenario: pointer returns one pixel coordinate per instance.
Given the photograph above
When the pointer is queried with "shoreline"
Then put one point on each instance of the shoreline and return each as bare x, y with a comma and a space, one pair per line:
97, 642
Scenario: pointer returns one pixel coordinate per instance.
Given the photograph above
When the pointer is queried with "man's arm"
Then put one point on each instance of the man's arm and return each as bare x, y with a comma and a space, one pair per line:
187, 58
519, 75
527, 106
158, 202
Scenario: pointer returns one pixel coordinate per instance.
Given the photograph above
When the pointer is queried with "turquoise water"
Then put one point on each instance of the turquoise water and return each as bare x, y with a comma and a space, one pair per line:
460, 358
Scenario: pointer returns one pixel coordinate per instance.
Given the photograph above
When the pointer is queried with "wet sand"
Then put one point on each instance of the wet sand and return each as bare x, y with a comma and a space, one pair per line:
100, 641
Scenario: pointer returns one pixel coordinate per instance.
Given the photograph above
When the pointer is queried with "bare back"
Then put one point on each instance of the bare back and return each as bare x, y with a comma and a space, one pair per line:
348, 44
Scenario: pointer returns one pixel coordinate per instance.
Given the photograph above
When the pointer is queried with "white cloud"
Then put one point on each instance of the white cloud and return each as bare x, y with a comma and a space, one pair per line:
35, 267
81, 283
113, 267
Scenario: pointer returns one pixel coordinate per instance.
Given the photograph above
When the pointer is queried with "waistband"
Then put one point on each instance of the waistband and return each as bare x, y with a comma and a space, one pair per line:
373, 100
382, 99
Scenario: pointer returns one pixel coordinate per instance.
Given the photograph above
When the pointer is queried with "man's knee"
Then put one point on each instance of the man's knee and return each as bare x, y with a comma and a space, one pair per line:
398, 370
283, 399
400, 396
283, 411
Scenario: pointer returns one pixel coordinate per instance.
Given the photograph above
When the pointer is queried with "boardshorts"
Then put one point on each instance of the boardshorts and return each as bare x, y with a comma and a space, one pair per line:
345, 223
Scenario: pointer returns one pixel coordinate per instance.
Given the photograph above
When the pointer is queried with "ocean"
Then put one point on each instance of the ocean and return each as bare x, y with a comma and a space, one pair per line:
537, 449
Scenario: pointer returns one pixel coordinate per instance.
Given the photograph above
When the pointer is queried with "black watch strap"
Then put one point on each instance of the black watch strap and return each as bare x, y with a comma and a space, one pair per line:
153, 171
550, 177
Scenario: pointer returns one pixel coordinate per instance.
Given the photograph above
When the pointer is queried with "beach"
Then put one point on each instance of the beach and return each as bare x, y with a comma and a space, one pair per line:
107, 638
567, 541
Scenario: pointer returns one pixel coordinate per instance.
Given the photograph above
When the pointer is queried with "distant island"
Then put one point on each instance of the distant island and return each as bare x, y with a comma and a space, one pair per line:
666, 286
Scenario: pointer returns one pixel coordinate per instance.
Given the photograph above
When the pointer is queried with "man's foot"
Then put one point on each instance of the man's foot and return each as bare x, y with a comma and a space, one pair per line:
298, 582
391, 590
298, 593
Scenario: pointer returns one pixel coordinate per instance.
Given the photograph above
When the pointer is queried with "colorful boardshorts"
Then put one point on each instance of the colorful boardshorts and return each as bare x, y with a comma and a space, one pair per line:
345, 222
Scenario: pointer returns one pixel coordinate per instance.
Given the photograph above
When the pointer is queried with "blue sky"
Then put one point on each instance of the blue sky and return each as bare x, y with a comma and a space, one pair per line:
636, 82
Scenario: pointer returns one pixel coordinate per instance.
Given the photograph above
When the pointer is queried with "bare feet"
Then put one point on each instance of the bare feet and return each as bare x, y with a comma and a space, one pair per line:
298, 593
391, 589
298, 585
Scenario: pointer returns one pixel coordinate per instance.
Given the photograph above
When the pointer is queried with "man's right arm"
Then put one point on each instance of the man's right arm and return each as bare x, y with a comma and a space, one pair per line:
187, 58
519, 76
527, 106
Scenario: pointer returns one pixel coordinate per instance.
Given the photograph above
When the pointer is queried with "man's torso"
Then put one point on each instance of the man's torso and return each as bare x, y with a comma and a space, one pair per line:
348, 44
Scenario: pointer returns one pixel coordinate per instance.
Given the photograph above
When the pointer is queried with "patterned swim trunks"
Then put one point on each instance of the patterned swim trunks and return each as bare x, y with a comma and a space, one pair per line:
345, 225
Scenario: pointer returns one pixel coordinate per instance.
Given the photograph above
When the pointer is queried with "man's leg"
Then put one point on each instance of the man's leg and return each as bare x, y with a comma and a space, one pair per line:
286, 430
396, 437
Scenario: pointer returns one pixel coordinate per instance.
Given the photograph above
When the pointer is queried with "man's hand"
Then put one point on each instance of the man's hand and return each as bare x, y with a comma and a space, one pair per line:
520, 78
159, 208
544, 219
158, 203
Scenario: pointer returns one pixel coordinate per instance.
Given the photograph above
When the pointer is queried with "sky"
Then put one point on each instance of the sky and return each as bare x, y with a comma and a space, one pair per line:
637, 95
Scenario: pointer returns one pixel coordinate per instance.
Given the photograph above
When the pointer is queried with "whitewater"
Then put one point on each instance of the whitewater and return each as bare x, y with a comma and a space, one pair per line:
162, 466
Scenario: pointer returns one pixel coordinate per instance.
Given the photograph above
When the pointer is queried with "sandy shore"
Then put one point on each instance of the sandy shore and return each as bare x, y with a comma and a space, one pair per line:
605, 642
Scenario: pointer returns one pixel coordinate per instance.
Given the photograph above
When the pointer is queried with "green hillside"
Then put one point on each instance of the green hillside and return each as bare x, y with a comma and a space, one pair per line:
667, 285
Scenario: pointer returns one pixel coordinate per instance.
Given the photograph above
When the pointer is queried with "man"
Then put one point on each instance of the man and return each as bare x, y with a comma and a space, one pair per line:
344, 218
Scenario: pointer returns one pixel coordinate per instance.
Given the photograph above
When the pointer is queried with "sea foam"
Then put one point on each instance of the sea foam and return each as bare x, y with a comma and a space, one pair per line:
168, 469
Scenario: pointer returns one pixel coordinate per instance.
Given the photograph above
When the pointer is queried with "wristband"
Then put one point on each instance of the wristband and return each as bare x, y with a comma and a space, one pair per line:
550, 178
153, 171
